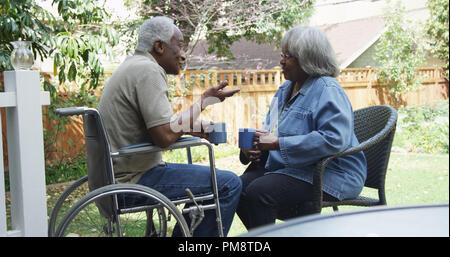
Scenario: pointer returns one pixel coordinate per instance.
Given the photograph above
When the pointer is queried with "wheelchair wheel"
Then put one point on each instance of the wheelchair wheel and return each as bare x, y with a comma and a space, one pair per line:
146, 215
71, 194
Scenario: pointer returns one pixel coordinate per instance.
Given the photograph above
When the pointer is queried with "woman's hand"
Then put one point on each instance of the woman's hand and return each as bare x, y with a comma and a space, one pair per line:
252, 154
265, 140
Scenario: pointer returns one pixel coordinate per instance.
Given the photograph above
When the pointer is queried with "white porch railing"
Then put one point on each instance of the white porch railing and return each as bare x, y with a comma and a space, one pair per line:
23, 101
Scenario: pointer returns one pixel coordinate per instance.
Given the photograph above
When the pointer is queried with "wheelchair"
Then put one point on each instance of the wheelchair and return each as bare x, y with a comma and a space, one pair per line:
110, 209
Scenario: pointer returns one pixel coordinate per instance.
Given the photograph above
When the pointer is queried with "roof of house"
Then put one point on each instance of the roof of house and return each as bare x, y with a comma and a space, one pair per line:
349, 41
248, 55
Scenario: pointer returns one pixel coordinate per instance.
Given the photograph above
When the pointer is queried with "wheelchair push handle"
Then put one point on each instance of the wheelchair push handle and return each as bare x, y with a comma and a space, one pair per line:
70, 111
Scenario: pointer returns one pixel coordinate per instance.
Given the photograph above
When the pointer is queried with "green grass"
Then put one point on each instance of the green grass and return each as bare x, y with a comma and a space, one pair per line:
412, 179
417, 179
200, 153
69, 170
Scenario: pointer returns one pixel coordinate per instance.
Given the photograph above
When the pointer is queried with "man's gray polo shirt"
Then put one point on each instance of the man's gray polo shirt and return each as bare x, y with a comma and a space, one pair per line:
135, 99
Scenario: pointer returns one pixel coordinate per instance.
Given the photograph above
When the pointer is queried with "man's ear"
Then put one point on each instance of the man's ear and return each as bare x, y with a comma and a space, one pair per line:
158, 47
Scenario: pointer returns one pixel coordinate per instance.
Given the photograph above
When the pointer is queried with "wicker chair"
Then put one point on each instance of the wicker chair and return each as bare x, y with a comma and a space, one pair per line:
375, 129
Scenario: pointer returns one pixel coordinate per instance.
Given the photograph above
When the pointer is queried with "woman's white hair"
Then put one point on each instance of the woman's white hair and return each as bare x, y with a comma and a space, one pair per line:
313, 51
154, 29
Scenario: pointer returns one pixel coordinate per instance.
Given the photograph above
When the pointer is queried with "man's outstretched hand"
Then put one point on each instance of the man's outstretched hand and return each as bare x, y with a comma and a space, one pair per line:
217, 94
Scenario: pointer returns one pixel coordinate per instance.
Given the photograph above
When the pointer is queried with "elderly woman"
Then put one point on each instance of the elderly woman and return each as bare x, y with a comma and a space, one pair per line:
310, 118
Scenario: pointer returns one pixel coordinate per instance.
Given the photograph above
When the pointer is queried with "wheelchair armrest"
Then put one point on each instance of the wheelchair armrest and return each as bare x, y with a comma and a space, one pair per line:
149, 147
70, 111
136, 146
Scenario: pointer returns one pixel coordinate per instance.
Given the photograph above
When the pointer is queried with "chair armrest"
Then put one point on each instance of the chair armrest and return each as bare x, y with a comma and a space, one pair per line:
317, 196
149, 147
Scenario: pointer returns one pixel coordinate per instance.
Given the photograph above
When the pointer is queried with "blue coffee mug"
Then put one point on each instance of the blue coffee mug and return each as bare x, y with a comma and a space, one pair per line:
246, 138
218, 134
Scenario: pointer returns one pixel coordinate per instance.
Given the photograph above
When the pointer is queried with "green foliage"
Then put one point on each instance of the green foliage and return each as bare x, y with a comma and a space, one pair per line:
69, 170
398, 53
27, 21
423, 129
53, 134
83, 33
437, 30
75, 38
271, 30
221, 23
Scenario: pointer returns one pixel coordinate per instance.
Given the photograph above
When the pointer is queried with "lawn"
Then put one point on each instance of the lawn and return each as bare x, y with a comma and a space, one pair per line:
411, 179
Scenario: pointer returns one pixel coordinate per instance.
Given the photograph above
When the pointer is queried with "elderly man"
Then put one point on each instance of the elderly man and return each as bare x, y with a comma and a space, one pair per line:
135, 108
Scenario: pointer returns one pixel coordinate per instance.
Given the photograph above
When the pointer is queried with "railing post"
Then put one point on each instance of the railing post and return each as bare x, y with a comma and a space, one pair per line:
278, 76
24, 101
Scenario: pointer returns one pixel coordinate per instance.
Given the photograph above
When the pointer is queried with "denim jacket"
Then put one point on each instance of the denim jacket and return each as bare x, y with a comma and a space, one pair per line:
315, 123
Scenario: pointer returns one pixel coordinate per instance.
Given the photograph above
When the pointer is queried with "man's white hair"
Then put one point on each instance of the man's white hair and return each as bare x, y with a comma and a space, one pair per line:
313, 51
154, 29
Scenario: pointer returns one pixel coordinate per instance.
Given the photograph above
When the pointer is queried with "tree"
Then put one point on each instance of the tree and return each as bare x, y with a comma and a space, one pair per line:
223, 22
75, 38
437, 30
84, 32
399, 53
27, 21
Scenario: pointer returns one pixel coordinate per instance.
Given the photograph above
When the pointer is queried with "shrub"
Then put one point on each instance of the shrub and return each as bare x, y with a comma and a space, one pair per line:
423, 129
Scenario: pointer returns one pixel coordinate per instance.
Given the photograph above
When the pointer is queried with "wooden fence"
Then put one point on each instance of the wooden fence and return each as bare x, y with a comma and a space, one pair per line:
248, 108
245, 109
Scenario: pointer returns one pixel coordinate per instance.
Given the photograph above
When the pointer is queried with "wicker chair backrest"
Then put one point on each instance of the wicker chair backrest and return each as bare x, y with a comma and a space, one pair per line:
368, 123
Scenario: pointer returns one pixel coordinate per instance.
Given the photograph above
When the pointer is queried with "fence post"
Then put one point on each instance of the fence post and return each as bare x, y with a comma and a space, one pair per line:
24, 101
